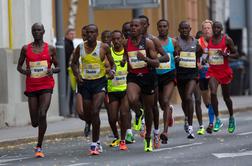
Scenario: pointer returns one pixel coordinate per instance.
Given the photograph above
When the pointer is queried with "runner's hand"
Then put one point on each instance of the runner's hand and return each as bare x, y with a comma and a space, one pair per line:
27, 72
141, 56
111, 74
79, 80
177, 59
49, 72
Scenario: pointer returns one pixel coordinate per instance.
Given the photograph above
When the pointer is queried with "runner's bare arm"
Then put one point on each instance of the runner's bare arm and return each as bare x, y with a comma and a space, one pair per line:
111, 60
75, 63
164, 57
177, 50
21, 62
231, 47
153, 60
56, 68
125, 55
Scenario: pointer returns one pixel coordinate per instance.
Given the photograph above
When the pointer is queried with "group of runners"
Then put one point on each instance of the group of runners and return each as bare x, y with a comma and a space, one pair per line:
134, 70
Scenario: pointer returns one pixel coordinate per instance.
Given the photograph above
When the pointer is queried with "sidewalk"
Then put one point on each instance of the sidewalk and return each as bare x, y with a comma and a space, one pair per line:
74, 126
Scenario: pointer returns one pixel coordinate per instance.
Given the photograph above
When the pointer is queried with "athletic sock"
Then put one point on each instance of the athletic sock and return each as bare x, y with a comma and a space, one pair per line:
211, 114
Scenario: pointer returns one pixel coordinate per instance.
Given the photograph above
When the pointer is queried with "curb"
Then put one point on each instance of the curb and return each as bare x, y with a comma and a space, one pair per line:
104, 130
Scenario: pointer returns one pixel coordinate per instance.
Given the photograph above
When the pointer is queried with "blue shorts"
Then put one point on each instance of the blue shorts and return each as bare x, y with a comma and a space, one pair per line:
90, 87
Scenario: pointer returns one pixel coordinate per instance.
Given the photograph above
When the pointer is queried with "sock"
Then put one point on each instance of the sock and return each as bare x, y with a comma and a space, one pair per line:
201, 126
156, 131
190, 128
211, 114
93, 144
129, 131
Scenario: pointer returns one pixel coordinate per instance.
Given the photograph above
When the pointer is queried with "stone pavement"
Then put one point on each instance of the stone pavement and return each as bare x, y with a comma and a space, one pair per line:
67, 127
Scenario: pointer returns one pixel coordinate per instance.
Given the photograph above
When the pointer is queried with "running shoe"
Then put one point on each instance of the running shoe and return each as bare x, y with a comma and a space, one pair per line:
39, 153
164, 138
201, 131
190, 134
94, 150
210, 129
129, 138
100, 149
138, 121
142, 130
231, 125
123, 146
156, 141
115, 143
218, 125
171, 119
87, 129
148, 145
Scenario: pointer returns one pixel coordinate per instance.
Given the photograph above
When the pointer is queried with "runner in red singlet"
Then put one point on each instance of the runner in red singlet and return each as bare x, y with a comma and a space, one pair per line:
39, 57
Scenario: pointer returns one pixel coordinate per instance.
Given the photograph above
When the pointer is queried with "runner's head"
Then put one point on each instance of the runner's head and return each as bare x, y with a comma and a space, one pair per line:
145, 23
117, 39
92, 32
126, 30
207, 28
184, 29
84, 33
70, 34
135, 27
38, 31
163, 27
217, 28
106, 37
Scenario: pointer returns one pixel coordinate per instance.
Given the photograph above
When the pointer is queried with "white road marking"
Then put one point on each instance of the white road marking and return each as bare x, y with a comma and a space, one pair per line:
228, 155
177, 147
79, 164
13, 159
247, 133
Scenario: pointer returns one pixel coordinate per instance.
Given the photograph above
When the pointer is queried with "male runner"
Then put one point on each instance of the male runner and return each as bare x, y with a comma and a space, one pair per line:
163, 57
203, 67
220, 47
91, 79
129, 134
39, 57
187, 72
142, 59
118, 100
166, 76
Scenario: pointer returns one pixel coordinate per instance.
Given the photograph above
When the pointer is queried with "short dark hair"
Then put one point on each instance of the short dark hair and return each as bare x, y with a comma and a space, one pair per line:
106, 31
183, 22
116, 31
89, 25
145, 17
164, 20
128, 22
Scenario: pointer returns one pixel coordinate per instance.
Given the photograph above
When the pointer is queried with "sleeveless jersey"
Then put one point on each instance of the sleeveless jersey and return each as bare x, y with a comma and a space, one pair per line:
38, 63
136, 66
219, 66
166, 67
187, 67
119, 82
91, 65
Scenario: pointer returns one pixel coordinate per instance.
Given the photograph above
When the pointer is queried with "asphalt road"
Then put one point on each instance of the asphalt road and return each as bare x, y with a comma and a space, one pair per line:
218, 149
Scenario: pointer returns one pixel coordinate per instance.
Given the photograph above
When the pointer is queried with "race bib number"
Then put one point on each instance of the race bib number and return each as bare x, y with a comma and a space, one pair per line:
91, 70
165, 65
187, 59
215, 58
119, 80
38, 68
134, 62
